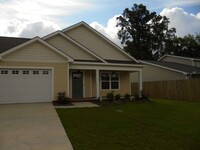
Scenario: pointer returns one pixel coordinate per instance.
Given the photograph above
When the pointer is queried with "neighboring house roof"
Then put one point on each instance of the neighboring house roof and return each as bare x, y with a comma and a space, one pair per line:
10, 42
188, 58
181, 68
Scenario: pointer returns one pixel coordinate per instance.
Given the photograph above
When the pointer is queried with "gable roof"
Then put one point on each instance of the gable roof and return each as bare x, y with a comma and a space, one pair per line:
33, 40
102, 36
181, 68
181, 57
75, 42
7, 43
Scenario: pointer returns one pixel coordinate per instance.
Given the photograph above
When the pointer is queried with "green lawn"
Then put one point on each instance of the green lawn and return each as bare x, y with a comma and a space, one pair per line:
155, 125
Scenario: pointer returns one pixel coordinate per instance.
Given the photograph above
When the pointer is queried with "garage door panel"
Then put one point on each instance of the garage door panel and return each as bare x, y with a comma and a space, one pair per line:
30, 87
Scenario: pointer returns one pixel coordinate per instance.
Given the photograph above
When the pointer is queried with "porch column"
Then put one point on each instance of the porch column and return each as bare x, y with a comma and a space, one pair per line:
68, 80
97, 83
140, 83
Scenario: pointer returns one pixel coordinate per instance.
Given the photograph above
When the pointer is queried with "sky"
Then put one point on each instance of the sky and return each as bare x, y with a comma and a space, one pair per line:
30, 18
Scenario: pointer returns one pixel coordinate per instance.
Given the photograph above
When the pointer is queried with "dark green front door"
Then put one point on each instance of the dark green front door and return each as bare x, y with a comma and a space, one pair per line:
77, 84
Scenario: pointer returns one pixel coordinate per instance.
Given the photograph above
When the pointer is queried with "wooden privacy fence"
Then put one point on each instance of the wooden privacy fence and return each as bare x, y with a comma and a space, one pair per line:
188, 90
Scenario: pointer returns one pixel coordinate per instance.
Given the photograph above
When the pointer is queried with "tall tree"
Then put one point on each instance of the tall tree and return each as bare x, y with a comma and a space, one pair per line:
143, 33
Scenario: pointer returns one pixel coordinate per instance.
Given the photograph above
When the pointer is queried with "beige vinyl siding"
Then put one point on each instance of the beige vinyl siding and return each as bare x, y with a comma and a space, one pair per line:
96, 43
124, 85
196, 63
153, 73
36, 52
178, 60
88, 83
59, 73
70, 48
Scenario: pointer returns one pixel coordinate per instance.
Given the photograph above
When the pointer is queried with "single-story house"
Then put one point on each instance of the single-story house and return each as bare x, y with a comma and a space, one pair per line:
77, 60
169, 67
181, 60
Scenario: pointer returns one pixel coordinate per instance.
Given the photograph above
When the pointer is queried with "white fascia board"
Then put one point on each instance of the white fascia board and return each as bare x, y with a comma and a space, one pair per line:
104, 67
108, 64
164, 67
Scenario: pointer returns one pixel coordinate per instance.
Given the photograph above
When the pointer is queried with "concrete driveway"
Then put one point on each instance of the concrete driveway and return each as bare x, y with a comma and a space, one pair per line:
33, 126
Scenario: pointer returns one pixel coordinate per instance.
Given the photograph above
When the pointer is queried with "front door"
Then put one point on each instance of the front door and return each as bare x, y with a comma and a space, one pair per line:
77, 84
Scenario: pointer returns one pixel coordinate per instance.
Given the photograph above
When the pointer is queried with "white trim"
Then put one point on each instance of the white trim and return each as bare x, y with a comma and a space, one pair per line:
164, 67
83, 72
41, 41
102, 36
68, 78
70, 83
34, 68
166, 55
108, 64
91, 83
104, 67
76, 43
97, 84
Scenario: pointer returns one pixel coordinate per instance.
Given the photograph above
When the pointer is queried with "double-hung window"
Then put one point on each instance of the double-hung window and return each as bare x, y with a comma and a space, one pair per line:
110, 81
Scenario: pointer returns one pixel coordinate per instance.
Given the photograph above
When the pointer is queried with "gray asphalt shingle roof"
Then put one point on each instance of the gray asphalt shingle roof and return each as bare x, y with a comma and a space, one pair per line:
7, 43
180, 67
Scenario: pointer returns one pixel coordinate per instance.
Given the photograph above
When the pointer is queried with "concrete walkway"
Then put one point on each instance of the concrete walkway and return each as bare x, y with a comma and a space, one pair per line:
31, 127
79, 105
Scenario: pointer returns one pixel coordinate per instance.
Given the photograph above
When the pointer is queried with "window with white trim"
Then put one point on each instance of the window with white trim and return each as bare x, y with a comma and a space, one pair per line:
35, 72
4, 71
110, 81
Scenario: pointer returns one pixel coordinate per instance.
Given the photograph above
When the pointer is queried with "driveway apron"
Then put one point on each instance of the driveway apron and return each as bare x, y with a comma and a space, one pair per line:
33, 126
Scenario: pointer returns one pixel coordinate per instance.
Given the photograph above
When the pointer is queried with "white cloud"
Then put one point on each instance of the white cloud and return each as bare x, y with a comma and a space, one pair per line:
29, 18
110, 31
184, 22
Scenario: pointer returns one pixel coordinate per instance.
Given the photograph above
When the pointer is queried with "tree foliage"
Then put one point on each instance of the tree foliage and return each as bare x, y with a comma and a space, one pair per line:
188, 46
143, 33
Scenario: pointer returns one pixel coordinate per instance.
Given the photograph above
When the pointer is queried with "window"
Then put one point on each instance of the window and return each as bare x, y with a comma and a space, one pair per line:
35, 72
109, 81
4, 71
15, 72
25, 72
45, 72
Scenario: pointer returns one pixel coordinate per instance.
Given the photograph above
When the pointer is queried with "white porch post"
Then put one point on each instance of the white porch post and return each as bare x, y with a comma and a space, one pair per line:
68, 80
97, 83
140, 83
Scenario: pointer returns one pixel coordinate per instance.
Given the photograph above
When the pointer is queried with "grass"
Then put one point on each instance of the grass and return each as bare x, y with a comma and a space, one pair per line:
155, 125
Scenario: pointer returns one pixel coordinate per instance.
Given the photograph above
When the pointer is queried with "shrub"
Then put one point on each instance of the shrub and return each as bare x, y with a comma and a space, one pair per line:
117, 97
62, 98
110, 96
144, 96
127, 96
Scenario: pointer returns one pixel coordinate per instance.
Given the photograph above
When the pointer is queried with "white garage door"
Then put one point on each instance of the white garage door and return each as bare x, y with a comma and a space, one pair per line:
25, 85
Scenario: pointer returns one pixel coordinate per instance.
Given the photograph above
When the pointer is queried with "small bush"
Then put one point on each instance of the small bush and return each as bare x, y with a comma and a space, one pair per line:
137, 97
127, 96
144, 96
62, 98
117, 97
110, 96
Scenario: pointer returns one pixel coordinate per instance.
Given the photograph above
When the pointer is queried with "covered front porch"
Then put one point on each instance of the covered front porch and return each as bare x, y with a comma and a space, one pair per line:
93, 81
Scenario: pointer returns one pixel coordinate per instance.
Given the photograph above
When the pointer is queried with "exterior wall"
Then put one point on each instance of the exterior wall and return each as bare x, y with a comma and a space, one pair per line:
59, 73
197, 63
88, 83
69, 48
36, 52
178, 60
96, 44
125, 86
153, 73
